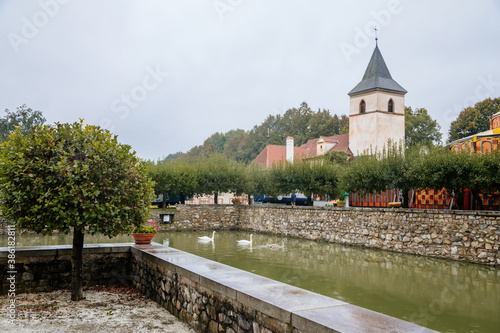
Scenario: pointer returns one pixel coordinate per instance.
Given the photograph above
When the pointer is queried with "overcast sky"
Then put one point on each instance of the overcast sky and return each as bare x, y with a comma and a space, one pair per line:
165, 75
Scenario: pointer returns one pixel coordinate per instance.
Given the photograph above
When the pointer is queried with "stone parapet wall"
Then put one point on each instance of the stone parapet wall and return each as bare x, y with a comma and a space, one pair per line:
209, 296
201, 217
47, 268
212, 297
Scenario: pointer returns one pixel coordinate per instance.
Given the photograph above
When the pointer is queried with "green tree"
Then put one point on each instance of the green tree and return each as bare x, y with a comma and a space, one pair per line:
175, 177
473, 120
24, 117
218, 174
257, 181
320, 177
420, 128
72, 177
392, 168
457, 171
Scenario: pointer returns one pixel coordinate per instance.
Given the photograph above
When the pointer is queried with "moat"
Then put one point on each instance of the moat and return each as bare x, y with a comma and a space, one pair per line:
443, 295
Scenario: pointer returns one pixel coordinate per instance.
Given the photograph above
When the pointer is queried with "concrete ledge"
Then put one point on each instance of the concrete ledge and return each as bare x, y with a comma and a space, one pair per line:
229, 295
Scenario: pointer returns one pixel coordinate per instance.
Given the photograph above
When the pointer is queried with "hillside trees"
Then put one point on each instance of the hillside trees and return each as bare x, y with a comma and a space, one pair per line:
243, 146
24, 117
72, 177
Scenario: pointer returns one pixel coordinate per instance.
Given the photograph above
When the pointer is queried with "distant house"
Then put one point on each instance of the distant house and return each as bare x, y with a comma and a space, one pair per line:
273, 154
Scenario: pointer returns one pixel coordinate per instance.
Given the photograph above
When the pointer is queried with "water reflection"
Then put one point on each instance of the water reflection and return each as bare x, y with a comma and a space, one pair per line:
444, 295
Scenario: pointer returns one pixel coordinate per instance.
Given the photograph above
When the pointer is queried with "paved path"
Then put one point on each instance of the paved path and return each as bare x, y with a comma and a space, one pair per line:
105, 309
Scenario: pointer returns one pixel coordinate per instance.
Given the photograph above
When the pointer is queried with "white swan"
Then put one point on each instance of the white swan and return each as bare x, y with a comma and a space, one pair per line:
276, 246
246, 242
206, 238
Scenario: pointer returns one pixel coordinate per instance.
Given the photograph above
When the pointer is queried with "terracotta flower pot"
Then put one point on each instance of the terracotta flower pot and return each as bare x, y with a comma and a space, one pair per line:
143, 238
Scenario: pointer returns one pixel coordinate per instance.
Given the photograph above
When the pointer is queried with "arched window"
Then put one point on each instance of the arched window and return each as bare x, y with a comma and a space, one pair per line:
390, 107
362, 106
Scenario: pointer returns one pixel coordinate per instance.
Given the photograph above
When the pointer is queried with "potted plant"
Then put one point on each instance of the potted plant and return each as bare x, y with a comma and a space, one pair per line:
340, 203
143, 234
235, 201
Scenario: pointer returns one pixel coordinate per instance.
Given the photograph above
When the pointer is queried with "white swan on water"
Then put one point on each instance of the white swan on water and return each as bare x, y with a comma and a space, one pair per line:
246, 242
276, 246
206, 238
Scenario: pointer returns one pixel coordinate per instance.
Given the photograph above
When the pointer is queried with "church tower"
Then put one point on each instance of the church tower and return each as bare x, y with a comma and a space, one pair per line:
377, 110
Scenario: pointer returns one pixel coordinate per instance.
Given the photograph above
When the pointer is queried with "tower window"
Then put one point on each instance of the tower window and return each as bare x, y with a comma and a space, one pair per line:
362, 106
390, 107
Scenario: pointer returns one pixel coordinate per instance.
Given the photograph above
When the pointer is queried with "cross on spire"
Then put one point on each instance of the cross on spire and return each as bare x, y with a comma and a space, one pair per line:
376, 36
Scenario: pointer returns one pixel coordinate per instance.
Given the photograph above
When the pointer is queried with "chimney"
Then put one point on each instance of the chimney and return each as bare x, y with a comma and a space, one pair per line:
289, 149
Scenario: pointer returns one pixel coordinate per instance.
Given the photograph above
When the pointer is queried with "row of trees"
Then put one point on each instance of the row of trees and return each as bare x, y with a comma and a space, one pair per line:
420, 168
392, 168
219, 174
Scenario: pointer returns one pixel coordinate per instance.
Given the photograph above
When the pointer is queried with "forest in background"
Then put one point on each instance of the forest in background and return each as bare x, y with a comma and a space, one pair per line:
242, 146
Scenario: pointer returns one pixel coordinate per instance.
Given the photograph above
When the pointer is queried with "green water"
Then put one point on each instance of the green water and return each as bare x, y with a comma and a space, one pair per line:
443, 295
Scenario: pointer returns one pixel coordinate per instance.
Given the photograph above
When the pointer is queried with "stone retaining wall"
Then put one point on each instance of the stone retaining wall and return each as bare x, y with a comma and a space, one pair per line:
471, 236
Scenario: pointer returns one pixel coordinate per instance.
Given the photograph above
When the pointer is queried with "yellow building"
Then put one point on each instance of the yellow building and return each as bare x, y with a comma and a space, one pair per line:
483, 142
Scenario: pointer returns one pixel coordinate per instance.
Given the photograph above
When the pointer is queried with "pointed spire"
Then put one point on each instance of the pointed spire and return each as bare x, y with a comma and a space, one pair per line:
377, 76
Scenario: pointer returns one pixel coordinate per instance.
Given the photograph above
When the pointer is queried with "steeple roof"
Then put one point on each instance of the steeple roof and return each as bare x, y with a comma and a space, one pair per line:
377, 76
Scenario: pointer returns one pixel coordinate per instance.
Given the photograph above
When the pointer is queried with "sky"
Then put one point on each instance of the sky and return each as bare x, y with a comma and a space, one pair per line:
165, 75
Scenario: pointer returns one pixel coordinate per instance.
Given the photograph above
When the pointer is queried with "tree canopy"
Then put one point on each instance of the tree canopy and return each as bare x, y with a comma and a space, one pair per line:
72, 177
23, 117
420, 128
473, 120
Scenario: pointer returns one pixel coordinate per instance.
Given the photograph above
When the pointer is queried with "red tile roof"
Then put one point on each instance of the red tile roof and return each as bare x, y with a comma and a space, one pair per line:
342, 141
277, 154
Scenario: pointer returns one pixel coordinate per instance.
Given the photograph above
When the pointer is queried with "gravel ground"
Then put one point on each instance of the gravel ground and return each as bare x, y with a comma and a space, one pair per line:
105, 309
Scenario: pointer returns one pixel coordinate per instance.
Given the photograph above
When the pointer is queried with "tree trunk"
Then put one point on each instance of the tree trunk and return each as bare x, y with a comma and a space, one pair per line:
164, 199
183, 199
250, 201
216, 197
478, 203
406, 198
77, 265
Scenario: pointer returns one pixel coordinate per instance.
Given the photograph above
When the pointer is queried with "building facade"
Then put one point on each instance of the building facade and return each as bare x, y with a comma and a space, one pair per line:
377, 110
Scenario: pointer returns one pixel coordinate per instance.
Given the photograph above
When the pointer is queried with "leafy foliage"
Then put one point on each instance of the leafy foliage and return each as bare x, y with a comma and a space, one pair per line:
473, 120
217, 173
321, 177
178, 176
24, 117
70, 175
146, 228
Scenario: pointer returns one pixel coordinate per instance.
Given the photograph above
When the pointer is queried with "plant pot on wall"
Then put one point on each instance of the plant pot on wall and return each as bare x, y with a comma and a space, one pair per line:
143, 238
